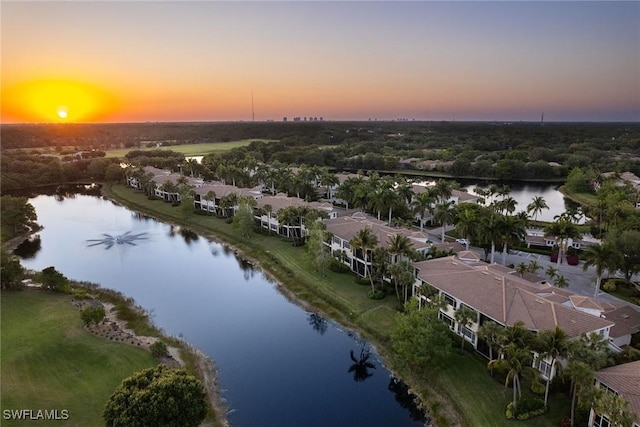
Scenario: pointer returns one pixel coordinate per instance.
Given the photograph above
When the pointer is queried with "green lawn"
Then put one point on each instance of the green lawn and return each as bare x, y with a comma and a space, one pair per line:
50, 362
192, 149
484, 400
463, 383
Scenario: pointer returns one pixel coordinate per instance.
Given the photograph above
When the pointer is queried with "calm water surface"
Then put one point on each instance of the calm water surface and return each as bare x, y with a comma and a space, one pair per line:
278, 365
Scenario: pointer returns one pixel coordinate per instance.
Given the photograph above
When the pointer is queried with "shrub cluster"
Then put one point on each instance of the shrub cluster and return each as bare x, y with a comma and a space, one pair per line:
92, 315
528, 407
338, 267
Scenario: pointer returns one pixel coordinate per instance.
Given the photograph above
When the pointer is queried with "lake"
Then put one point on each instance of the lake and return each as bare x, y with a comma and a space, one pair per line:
278, 364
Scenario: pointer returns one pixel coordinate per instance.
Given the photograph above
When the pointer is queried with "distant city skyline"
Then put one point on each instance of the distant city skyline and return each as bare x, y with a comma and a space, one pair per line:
381, 60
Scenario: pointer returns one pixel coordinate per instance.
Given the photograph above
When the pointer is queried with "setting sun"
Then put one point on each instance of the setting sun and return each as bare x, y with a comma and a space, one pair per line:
62, 113
57, 100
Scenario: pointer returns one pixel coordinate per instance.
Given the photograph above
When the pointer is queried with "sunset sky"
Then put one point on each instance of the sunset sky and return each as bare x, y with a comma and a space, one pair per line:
201, 61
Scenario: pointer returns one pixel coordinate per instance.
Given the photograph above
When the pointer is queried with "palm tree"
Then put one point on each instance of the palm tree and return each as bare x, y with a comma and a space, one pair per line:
602, 257
466, 221
443, 190
563, 228
464, 316
536, 206
489, 332
614, 407
516, 334
288, 216
444, 215
423, 202
402, 274
399, 245
377, 201
561, 281
268, 209
403, 189
210, 197
517, 360
522, 268
533, 266
511, 231
489, 230
552, 344
365, 240
347, 190
329, 180
506, 205
552, 272
581, 375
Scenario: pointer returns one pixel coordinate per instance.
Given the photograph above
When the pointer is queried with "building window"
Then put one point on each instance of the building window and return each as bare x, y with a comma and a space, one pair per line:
467, 333
345, 245
449, 300
545, 368
446, 319
336, 240
601, 421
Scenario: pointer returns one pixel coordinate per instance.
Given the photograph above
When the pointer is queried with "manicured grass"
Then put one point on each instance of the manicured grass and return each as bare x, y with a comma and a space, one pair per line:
462, 384
192, 149
49, 361
581, 198
482, 399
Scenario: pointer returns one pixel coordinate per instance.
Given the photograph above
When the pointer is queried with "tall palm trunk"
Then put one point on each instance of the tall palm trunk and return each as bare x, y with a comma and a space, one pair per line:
365, 271
560, 251
515, 388
546, 391
493, 250
504, 253
574, 393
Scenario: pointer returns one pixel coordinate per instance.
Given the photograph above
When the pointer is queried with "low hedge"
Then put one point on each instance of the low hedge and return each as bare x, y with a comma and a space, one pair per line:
528, 407
338, 267
376, 294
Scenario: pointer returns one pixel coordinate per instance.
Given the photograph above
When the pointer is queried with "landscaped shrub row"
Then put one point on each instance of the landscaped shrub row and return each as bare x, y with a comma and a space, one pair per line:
528, 407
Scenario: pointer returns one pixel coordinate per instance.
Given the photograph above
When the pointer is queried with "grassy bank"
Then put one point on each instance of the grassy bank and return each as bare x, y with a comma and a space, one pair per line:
49, 361
583, 199
459, 394
192, 149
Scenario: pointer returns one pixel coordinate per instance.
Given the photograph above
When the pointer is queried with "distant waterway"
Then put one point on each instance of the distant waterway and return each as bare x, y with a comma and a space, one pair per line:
523, 194
278, 364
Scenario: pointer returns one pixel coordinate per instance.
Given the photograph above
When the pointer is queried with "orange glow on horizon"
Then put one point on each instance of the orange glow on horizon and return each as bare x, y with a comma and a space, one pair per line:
56, 101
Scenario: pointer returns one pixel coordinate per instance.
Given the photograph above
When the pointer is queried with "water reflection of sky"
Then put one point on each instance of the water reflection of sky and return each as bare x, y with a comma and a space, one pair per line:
525, 193
275, 365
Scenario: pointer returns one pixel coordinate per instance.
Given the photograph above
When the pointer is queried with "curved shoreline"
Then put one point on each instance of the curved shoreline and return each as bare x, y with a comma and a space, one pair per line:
204, 367
432, 400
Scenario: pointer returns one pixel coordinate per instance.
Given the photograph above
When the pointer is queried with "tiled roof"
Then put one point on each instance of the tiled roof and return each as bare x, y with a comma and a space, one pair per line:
346, 227
627, 321
624, 379
580, 301
506, 298
174, 177
463, 196
282, 201
222, 190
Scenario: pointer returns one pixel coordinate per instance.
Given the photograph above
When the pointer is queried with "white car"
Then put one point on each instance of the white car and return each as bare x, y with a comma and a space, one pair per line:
464, 242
